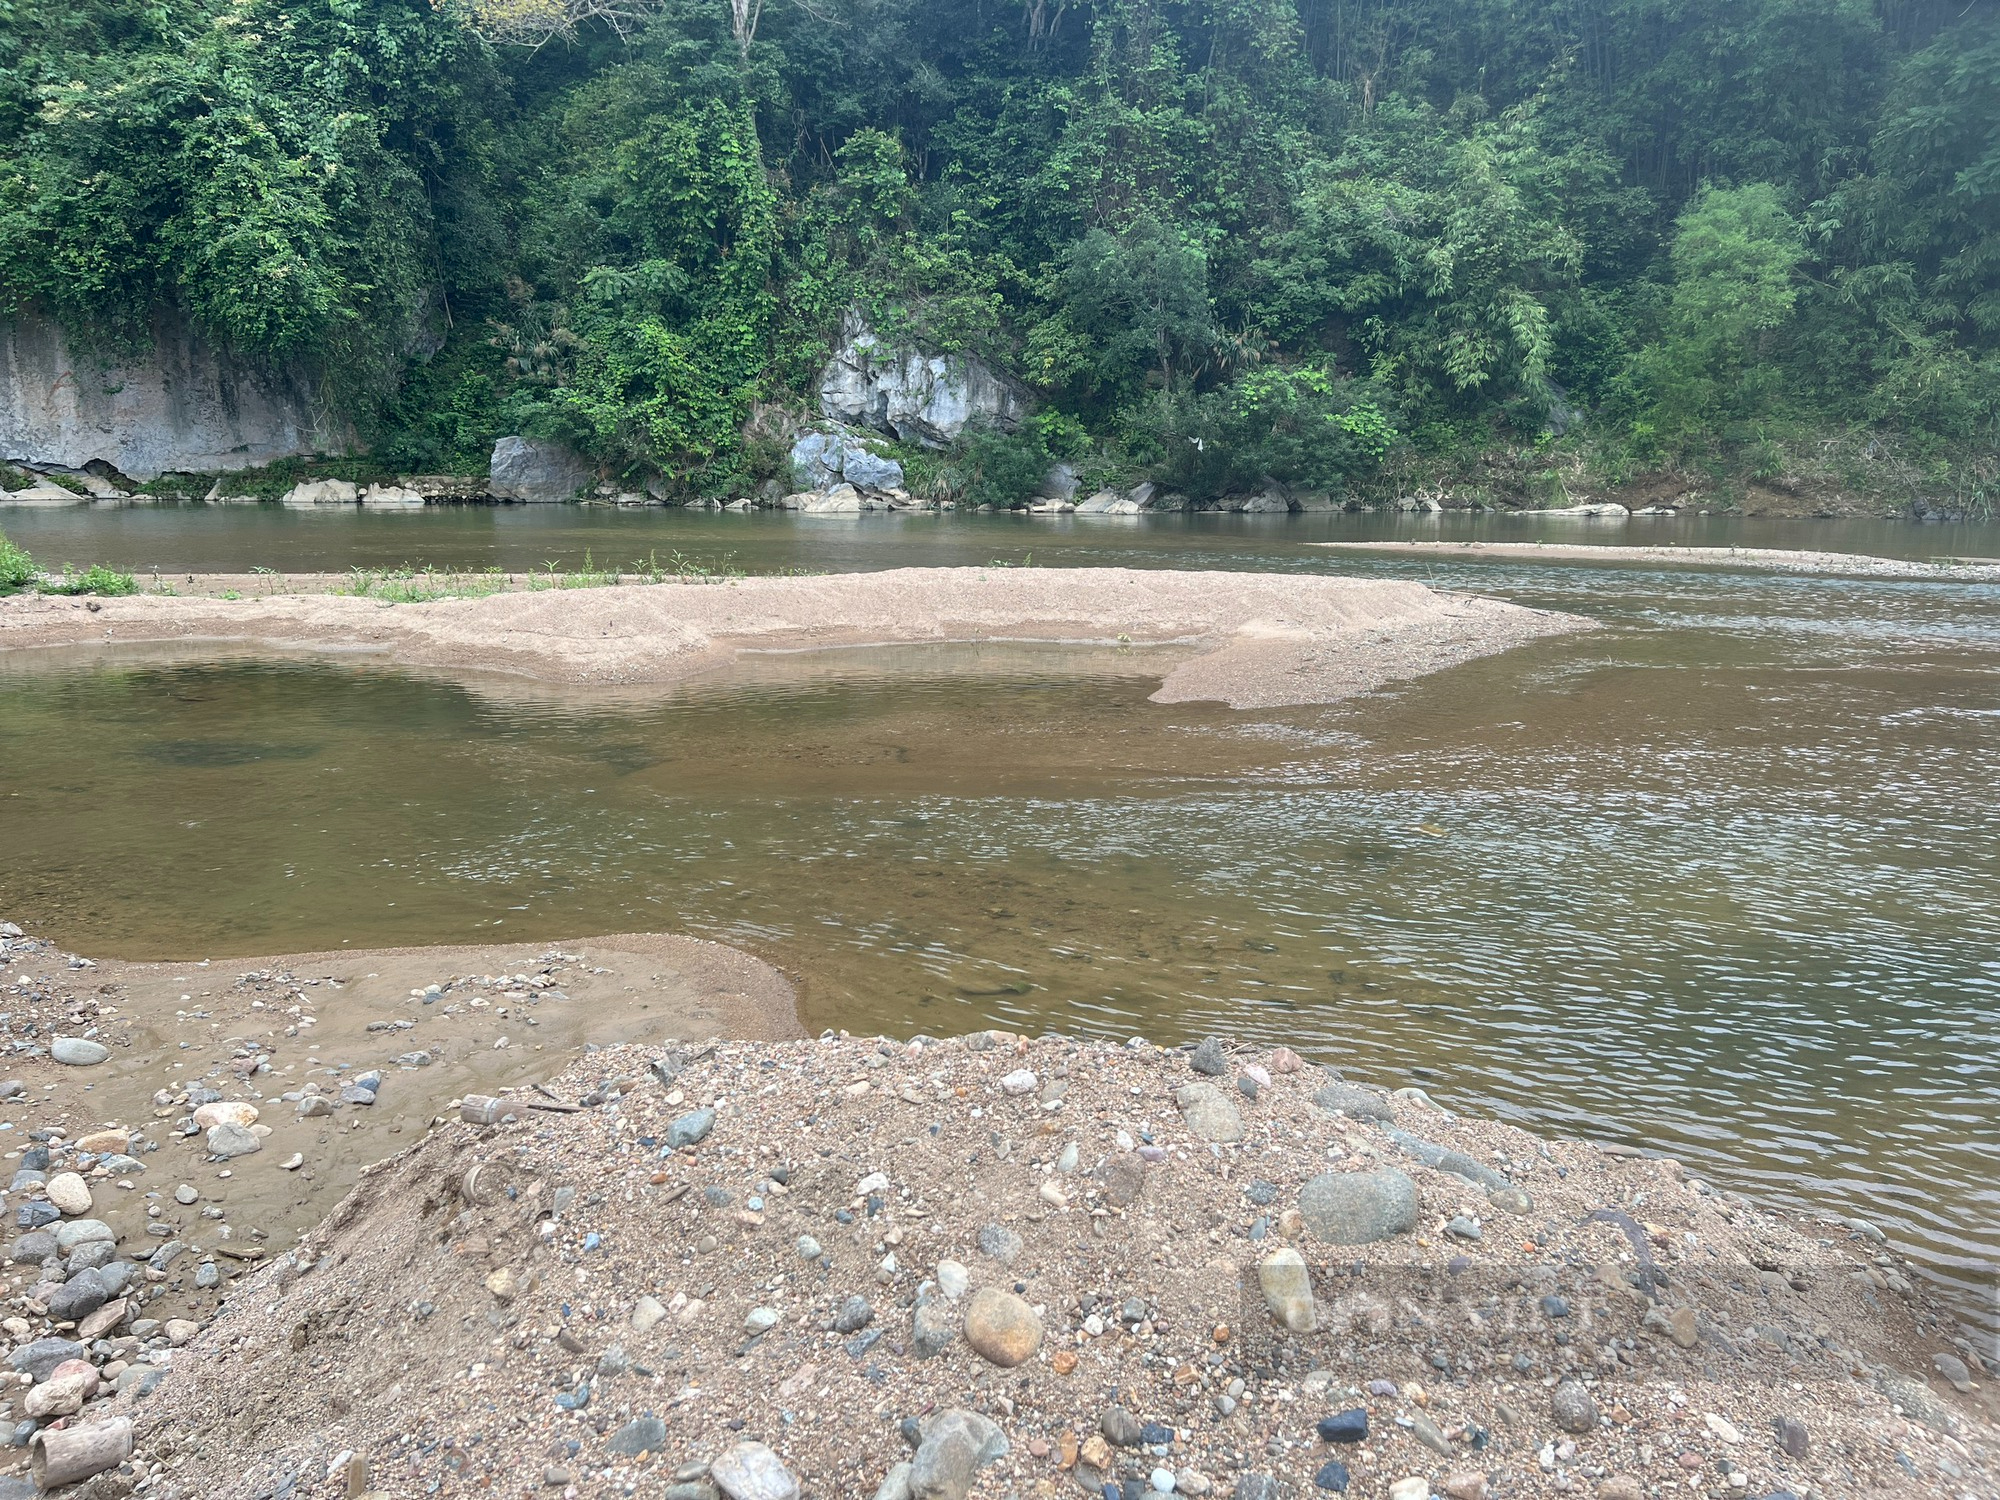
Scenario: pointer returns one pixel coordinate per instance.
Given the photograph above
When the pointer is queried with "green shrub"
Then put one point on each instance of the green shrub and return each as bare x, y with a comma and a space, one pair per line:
17, 569
95, 579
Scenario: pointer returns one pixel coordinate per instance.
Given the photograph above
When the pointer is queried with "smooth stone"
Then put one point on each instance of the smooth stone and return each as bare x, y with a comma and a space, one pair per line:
1950, 1366
90, 1256
232, 1112
1124, 1179
809, 1248
78, 1052
1255, 1487
76, 1232
70, 1193
1358, 1208
1574, 1407
1353, 1101
953, 1279
895, 1484
1120, 1428
1209, 1112
1511, 1200
762, 1320
1001, 1328
228, 1141
1410, 1489
208, 1276
34, 1247
1621, 1487
640, 1435
751, 1471
1350, 1426
1287, 1288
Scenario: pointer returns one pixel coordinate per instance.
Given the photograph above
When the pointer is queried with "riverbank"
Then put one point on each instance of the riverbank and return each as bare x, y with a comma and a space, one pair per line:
667, 1268
1264, 640
1767, 559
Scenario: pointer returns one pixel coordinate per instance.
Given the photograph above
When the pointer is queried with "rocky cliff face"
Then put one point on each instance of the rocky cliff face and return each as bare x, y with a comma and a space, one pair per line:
183, 407
919, 397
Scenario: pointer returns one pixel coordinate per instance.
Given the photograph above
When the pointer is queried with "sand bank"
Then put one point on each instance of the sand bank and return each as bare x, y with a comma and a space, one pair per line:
1768, 559
1270, 640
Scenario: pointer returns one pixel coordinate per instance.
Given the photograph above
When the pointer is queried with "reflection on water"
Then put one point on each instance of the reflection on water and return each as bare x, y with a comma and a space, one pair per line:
1717, 878
197, 538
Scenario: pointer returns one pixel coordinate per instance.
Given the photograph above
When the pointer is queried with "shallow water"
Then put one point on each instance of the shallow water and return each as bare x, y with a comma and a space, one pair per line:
1716, 879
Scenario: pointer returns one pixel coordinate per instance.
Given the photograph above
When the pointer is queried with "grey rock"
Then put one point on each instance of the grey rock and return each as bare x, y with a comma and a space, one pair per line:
1000, 1243
1120, 1427
228, 1141
921, 397
356, 1093
117, 1276
314, 1106
1511, 1200
933, 1326
1209, 1058
534, 471
1256, 1487
825, 460
1444, 1159
809, 1248
640, 1435
1426, 1432
1060, 482
1209, 1112
956, 1445
81, 1232
853, 1315
27, 1181
1953, 1369
1462, 1228
1791, 1435
78, 1052
165, 1256
895, 1484
1353, 1101
208, 1276
1575, 1409
1358, 1208
120, 1165
34, 1247
751, 1471
180, 403
690, 1129
43, 1355
90, 1255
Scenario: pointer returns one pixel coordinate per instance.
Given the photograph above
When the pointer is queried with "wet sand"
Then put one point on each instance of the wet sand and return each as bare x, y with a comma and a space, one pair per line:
1769, 559
1268, 641
256, 1030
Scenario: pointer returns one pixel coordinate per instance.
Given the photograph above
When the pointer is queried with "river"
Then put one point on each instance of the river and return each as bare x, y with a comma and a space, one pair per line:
1717, 879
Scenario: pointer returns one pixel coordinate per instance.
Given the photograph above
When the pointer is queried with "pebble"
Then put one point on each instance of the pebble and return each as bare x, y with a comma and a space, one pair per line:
933, 1326
751, 1471
1358, 1208
1574, 1408
1162, 1481
208, 1276
1468, 1485
1331, 1475
293, 1162
1350, 1426
646, 1434
954, 1446
809, 1248
953, 1279
1426, 1432
688, 1130
69, 1192
1020, 1081
1722, 1427
764, 1319
1000, 1243
1462, 1228
1511, 1200
1410, 1489
1950, 1366
1002, 1328
1209, 1113
647, 1313
185, 1195
853, 1315
1209, 1058
1124, 1179
1287, 1288
78, 1052
1255, 1487
1120, 1427
1791, 1435
1621, 1487
235, 1113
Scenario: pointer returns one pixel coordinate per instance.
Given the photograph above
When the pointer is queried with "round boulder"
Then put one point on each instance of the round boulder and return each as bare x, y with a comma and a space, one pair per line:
1002, 1328
1358, 1208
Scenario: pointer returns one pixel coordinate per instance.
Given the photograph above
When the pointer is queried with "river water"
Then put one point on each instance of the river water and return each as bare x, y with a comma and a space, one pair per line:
1718, 878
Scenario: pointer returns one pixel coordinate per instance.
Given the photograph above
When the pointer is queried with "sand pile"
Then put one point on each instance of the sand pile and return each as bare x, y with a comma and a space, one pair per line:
1006, 1267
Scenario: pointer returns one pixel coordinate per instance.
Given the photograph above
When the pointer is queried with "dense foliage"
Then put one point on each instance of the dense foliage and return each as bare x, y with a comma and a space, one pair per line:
1224, 240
